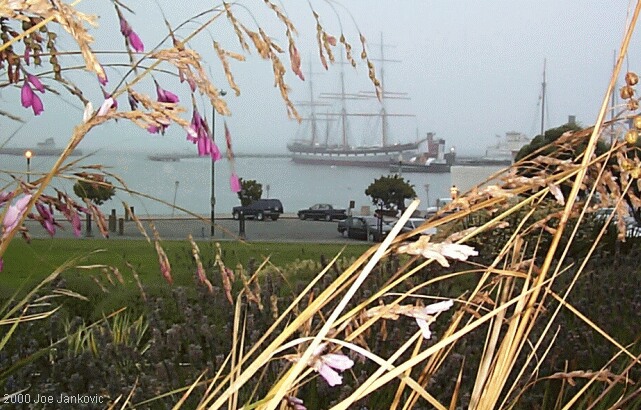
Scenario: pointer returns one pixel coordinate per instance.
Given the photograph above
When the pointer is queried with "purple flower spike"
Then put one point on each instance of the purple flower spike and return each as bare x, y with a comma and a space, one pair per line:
26, 95
153, 129
30, 99
107, 105
37, 106
35, 81
215, 153
136, 42
13, 214
234, 182
165, 96
47, 221
5, 196
75, 223
102, 79
130, 34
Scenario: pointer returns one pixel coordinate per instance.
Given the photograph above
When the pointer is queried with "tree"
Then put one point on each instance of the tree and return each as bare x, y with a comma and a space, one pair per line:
250, 191
94, 188
390, 192
550, 136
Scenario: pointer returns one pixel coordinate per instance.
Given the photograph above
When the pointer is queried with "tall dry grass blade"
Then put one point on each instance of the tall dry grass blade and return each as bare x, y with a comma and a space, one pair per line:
616, 380
568, 289
445, 341
366, 387
457, 388
233, 399
284, 384
594, 326
571, 403
186, 395
535, 371
267, 352
125, 404
401, 386
489, 401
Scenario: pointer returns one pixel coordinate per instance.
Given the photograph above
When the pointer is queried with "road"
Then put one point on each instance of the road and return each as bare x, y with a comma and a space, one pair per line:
286, 229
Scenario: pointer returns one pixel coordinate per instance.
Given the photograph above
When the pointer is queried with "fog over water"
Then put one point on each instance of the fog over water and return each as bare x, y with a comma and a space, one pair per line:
472, 70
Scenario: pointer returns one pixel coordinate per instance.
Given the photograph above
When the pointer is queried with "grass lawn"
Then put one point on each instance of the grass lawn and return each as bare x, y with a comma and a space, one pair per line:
27, 264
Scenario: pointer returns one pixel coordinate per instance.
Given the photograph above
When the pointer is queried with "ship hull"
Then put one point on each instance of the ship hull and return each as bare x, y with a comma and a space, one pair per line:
432, 168
379, 161
367, 157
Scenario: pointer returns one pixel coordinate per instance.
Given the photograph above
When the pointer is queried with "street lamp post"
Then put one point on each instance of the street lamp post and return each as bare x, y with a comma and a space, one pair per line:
173, 208
28, 154
213, 170
427, 194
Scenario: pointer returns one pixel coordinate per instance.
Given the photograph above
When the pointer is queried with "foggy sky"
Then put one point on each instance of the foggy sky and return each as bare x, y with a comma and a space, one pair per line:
472, 69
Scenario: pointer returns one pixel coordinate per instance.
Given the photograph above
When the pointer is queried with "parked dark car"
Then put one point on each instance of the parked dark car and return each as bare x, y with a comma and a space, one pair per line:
322, 211
363, 227
414, 223
260, 209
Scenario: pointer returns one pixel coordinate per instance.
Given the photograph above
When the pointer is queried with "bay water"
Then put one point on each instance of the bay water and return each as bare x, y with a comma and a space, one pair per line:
188, 182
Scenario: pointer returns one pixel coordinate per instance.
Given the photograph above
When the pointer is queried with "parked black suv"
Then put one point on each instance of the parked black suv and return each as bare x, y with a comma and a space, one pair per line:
260, 209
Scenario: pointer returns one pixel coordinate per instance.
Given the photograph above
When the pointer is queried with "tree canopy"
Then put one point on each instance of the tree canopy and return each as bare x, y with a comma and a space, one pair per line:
391, 192
94, 188
250, 190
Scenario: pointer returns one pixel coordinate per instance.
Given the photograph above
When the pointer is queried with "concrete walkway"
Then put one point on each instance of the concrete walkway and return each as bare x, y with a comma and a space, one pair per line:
285, 229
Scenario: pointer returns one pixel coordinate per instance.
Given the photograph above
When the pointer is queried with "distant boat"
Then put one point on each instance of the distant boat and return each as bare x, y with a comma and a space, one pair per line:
46, 148
311, 150
433, 161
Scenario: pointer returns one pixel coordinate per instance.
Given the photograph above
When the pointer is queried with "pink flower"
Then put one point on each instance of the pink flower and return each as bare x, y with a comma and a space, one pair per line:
46, 219
215, 152
133, 101
30, 99
26, 95
14, 213
102, 77
136, 42
27, 55
153, 129
295, 403
36, 105
132, 38
426, 316
107, 105
35, 81
202, 137
234, 181
327, 365
165, 96
75, 224
5, 196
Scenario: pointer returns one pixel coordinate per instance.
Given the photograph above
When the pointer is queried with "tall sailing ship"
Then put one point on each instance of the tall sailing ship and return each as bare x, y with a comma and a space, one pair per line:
314, 151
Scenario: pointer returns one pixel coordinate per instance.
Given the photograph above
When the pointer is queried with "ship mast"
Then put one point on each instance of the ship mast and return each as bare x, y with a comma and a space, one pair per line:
343, 108
343, 96
383, 109
312, 103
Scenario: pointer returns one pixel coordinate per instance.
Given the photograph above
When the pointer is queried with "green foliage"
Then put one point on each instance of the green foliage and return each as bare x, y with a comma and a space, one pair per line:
548, 137
250, 191
391, 191
94, 188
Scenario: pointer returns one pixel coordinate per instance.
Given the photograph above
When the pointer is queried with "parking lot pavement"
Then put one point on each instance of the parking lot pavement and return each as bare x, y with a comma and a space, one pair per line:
282, 230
